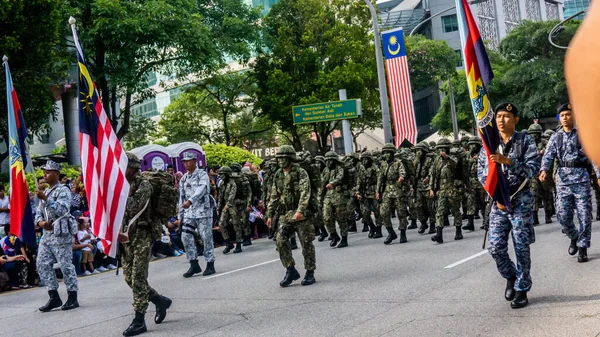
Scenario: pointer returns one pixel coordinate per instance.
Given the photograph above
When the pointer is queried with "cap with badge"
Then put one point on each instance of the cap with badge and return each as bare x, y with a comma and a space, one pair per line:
509, 107
51, 166
189, 156
564, 107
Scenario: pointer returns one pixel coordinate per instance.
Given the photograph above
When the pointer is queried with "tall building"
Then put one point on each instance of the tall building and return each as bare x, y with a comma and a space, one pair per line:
575, 6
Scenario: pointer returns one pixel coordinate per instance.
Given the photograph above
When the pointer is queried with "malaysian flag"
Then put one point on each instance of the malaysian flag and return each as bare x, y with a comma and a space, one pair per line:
398, 76
102, 159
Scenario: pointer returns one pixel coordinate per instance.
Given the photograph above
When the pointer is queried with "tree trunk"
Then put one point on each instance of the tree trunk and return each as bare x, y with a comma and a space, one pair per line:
297, 143
126, 116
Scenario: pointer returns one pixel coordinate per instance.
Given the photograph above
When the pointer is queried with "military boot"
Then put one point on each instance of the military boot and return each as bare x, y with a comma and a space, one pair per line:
344, 242
365, 227
470, 223
458, 235
520, 300
71, 301
210, 269
137, 326
438, 235
352, 226
423, 227
271, 234
228, 247
162, 303
535, 218
464, 216
293, 243
582, 255
291, 275
377, 234
317, 231
509, 292
323, 235
335, 239
403, 236
413, 224
247, 241
194, 269
309, 278
391, 236
548, 218
573, 249
238, 248
53, 302
371, 231
431, 228
477, 217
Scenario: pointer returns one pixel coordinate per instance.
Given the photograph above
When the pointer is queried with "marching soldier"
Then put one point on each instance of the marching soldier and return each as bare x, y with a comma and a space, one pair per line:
290, 198
349, 184
535, 131
243, 202
55, 245
461, 175
137, 236
407, 158
335, 202
354, 205
476, 194
226, 207
389, 191
320, 165
365, 193
423, 203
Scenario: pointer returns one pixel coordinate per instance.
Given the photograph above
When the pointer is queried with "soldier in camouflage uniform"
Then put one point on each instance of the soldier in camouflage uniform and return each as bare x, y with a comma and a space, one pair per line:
573, 188
349, 183
423, 203
137, 235
408, 194
55, 245
389, 191
461, 177
442, 186
520, 161
319, 163
226, 206
535, 131
476, 194
335, 202
290, 198
313, 169
195, 212
365, 191
354, 204
265, 188
243, 202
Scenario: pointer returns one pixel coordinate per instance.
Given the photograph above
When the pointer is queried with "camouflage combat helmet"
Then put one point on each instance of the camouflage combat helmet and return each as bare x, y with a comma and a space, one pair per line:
354, 156
366, 154
286, 151
332, 156
423, 146
320, 159
475, 141
548, 133
133, 161
465, 140
443, 143
535, 128
236, 167
432, 143
388, 148
456, 143
225, 170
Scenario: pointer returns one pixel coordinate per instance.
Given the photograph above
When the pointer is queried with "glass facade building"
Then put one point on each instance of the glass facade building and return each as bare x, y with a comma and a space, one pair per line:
574, 6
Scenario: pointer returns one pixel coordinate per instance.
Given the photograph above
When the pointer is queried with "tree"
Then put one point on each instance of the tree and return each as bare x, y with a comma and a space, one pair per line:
141, 132
430, 61
126, 41
182, 121
30, 35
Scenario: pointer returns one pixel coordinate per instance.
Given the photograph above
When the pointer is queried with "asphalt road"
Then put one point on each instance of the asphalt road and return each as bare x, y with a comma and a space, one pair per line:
366, 289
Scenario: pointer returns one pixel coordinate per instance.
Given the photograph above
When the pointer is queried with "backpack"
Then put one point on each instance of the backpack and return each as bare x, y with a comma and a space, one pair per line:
242, 185
349, 175
255, 187
164, 199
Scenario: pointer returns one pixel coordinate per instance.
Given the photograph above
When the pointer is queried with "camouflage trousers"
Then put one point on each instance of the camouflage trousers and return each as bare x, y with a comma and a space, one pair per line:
386, 207
571, 198
203, 228
135, 256
448, 201
368, 206
476, 199
333, 211
519, 223
318, 218
47, 256
353, 206
233, 217
424, 206
306, 236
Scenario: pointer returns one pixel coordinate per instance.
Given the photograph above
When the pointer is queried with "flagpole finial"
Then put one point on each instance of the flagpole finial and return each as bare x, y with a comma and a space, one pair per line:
4, 58
72, 20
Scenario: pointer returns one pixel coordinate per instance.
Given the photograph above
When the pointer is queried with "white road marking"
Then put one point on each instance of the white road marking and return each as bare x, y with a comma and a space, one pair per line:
467, 259
235, 271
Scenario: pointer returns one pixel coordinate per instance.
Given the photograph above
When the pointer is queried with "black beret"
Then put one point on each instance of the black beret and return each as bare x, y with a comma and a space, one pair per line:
564, 107
507, 107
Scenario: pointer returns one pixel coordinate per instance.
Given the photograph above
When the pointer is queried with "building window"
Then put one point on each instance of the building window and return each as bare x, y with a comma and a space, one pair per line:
423, 111
450, 23
460, 58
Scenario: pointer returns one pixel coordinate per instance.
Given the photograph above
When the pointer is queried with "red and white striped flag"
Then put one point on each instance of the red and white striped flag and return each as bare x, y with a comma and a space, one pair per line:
403, 113
102, 159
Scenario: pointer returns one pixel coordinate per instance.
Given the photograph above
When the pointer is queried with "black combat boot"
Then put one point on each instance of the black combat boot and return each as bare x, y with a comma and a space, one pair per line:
210, 269
309, 278
293, 243
352, 226
247, 241
423, 227
509, 292
536, 221
438, 235
291, 275
470, 223
317, 231
365, 227
271, 234
71, 301
391, 235
335, 239
372, 229
573, 249
162, 303
344, 242
137, 326
458, 235
446, 222
413, 224
431, 228
228, 247
548, 217
238, 248
582, 255
323, 235
403, 236
358, 216
194, 269
464, 215
520, 300
53, 302
477, 217
377, 234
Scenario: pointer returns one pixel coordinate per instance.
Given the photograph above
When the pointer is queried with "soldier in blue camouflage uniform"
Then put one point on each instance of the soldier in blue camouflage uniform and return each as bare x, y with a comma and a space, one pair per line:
389, 191
520, 161
195, 212
58, 226
365, 193
572, 183
335, 203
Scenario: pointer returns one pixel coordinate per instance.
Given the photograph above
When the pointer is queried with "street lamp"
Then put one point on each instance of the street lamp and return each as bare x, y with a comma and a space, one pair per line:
559, 28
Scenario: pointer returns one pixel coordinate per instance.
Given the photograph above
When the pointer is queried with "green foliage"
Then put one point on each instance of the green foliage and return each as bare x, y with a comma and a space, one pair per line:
220, 154
59, 150
430, 61
71, 171
140, 133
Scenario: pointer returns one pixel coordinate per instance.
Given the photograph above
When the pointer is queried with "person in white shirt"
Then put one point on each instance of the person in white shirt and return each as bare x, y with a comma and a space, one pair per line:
4, 207
87, 257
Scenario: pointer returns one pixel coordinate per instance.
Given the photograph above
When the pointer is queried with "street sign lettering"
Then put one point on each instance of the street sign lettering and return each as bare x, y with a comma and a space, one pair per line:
326, 112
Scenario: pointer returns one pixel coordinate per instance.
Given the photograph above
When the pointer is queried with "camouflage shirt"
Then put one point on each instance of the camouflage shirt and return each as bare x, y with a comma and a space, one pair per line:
140, 192
195, 188
422, 168
442, 173
367, 181
57, 210
388, 176
290, 193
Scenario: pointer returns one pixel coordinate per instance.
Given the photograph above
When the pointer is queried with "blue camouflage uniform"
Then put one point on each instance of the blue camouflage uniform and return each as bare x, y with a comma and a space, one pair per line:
573, 189
197, 219
522, 150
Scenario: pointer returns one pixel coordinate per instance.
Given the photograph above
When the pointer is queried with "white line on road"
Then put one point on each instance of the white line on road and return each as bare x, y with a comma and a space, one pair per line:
467, 259
235, 271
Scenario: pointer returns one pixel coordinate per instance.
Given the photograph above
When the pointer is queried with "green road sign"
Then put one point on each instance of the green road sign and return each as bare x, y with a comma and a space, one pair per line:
325, 112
